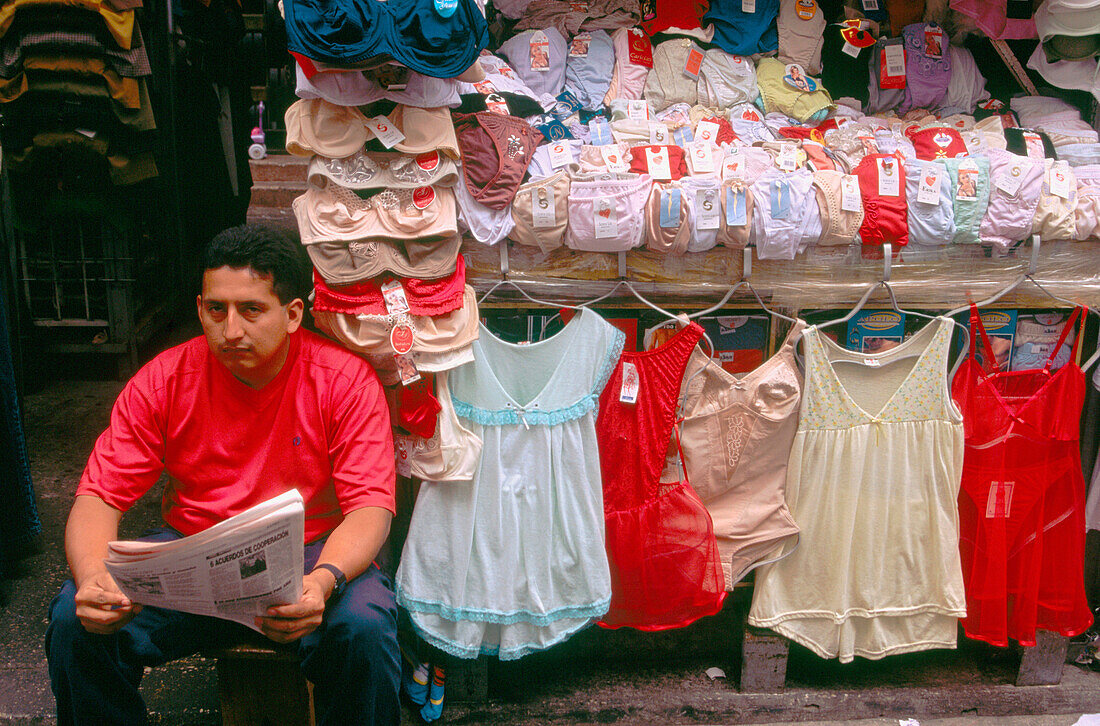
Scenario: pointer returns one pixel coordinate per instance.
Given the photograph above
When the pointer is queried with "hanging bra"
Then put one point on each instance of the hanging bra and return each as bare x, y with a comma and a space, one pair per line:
316, 126
451, 454
424, 297
384, 169
346, 263
344, 32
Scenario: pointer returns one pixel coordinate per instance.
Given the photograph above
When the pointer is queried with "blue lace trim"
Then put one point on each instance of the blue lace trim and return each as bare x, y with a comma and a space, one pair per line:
614, 352
513, 653
480, 615
518, 416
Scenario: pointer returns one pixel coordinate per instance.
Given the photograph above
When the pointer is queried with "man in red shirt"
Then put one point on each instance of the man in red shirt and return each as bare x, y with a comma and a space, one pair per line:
255, 407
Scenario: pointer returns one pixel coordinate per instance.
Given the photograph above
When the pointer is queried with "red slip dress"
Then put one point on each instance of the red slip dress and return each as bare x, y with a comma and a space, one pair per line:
665, 568
1022, 503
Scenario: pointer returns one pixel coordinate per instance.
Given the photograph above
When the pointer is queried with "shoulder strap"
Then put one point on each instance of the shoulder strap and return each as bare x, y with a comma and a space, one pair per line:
794, 333
1062, 339
976, 325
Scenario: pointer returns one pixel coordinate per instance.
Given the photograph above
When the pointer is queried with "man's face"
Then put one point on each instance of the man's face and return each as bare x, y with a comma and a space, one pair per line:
245, 324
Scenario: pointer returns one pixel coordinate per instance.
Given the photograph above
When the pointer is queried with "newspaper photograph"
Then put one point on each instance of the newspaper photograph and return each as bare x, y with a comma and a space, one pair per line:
234, 570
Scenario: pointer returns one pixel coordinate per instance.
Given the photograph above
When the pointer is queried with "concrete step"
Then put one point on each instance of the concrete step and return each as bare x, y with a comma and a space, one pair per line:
279, 167
277, 194
276, 217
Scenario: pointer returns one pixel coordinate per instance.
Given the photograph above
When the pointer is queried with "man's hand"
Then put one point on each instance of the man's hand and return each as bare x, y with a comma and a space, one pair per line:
101, 606
287, 623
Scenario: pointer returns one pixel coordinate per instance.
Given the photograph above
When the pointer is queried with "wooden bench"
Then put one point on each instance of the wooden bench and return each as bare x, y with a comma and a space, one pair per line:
260, 684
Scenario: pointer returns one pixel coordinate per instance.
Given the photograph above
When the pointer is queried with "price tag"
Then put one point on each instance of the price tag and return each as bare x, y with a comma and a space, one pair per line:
1059, 183
670, 208
872, 362
640, 50
733, 166
401, 338
579, 47
781, 199
599, 132
542, 207
748, 6
849, 49
694, 62
658, 133
889, 177
1034, 145
628, 392
1010, 180
869, 5
657, 161
968, 182
407, 369
928, 188
539, 52
702, 160
393, 294
682, 136
933, 41
787, 159
892, 73
707, 131
736, 207
706, 208
637, 110
605, 221
385, 131
613, 160
560, 155
849, 193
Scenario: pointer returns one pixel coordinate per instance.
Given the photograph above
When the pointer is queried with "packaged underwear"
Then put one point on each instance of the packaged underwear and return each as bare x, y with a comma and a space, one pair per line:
550, 196
595, 159
927, 66
1015, 184
543, 160
838, 225
1087, 212
344, 32
936, 142
734, 231
725, 134
743, 33
345, 263
627, 77
424, 297
783, 206
643, 157
667, 84
1055, 213
487, 226
665, 14
496, 151
703, 197
1029, 142
966, 87
540, 66
666, 217
440, 342
778, 95
931, 221
970, 189
726, 80
588, 76
619, 202
880, 99
384, 170
885, 215
630, 132
801, 30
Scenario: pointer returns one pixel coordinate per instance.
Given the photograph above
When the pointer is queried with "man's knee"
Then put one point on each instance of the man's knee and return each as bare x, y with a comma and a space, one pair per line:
64, 628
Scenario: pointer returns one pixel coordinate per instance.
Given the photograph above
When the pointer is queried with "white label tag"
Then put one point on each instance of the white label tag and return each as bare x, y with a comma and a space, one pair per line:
613, 159
385, 131
748, 6
559, 155
849, 193
401, 453
849, 49
889, 177
707, 214
707, 131
542, 207
659, 168
702, 162
658, 133
928, 189
998, 503
1010, 180
869, 5
895, 60
605, 222
1033, 143
873, 362
393, 294
637, 110
733, 166
787, 159
628, 393
1059, 183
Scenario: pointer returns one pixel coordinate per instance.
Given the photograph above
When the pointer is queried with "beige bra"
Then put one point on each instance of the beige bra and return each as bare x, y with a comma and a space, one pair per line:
838, 227
328, 212
315, 125
451, 454
384, 169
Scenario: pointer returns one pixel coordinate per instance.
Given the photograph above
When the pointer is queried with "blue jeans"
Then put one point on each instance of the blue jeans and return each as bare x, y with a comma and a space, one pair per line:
352, 659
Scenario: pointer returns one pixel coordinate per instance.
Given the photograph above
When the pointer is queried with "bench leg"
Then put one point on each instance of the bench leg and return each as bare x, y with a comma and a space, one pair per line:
467, 680
1043, 662
763, 661
263, 692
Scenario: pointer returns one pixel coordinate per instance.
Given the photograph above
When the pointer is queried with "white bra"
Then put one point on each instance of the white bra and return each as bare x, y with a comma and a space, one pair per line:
451, 454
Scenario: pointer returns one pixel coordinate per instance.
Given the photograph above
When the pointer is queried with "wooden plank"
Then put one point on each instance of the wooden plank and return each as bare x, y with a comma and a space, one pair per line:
467, 680
1042, 663
763, 661
262, 687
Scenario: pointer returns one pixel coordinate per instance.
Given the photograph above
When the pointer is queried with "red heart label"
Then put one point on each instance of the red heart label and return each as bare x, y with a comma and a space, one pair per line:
401, 339
605, 213
657, 158
929, 180
423, 196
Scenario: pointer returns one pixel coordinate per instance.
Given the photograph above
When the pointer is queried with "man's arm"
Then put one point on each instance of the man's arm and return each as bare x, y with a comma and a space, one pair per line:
100, 605
352, 546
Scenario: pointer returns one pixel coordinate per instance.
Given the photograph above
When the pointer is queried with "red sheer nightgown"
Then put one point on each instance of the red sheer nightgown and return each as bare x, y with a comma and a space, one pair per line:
665, 567
1021, 508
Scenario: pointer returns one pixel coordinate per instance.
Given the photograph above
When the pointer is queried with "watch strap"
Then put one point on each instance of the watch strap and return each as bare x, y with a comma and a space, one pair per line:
341, 579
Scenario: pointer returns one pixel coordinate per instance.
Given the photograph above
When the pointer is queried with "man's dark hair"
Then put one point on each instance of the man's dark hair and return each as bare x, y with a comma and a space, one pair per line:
266, 250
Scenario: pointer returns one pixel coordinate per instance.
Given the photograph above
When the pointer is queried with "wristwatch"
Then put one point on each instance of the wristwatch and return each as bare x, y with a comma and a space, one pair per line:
341, 579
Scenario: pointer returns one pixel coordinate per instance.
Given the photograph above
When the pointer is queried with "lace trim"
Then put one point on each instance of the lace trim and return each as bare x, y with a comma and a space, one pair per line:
482, 615
614, 352
532, 415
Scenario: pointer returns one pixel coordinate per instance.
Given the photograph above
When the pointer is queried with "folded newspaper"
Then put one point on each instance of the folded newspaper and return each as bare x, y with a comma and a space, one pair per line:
234, 570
